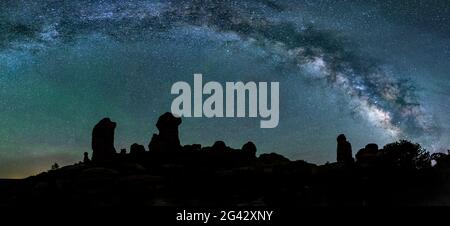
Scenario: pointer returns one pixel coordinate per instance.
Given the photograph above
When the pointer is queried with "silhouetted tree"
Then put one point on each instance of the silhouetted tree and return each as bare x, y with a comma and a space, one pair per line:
407, 155
55, 166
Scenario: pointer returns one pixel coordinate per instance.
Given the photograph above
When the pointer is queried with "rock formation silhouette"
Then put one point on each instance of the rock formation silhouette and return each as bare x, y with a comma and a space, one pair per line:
344, 150
103, 140
220, 146
167, 139
249, 148
368, 155
165, 148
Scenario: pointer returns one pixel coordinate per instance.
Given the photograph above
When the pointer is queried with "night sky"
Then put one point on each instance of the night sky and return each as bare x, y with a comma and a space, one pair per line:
377, 71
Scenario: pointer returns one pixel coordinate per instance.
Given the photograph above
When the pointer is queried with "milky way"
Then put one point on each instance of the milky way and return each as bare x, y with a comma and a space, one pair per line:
281, 34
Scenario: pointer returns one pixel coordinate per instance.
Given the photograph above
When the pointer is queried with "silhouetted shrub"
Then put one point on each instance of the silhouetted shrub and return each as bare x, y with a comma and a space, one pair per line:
55, 166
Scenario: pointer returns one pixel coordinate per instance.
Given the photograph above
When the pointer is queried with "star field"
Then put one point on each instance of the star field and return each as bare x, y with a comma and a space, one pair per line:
375, 70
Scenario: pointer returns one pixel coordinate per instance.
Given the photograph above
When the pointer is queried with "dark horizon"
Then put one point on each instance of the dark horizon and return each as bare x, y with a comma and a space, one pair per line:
129, 149
174, 175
